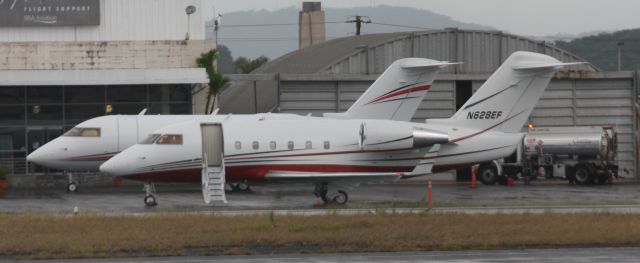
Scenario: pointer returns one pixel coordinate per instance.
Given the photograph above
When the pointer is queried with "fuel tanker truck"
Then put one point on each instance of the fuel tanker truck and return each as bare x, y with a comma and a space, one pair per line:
584, 155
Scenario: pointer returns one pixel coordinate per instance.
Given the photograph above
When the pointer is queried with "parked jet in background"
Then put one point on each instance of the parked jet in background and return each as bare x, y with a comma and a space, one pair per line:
332, 151
396, 95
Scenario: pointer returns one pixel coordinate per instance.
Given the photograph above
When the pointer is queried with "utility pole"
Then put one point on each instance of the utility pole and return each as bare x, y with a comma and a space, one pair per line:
216, 25
359, 20
620, 44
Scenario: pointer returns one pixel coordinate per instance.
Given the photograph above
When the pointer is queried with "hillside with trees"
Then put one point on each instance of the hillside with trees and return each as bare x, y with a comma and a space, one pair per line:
602, 49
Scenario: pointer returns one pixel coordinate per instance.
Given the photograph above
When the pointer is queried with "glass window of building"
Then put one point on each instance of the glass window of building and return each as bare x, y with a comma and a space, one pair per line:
11, 95
44, 114
12, 115
169, 93
84, 94
127, 93
44, 94
75, 114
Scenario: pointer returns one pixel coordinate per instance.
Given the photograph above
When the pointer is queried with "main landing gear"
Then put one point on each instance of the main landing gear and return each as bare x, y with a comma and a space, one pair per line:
150, 196
322, 191
241, 186
72, 185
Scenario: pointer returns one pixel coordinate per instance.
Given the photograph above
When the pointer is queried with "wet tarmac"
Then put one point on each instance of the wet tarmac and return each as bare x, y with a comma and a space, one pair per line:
448, 196
585, 255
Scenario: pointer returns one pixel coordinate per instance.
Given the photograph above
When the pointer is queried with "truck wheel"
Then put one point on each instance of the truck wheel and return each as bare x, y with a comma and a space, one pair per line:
488, 174
583, 175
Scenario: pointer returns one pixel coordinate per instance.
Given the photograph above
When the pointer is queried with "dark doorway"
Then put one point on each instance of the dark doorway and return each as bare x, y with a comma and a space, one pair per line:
464, 91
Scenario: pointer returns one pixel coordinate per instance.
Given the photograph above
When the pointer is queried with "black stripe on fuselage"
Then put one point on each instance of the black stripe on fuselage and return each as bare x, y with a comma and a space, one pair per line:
495, 94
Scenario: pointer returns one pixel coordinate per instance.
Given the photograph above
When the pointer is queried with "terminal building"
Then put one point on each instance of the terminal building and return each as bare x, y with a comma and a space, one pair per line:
66, 61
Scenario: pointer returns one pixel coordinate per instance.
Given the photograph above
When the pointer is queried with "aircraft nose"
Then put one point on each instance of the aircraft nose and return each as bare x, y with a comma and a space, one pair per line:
38, 157
109, 168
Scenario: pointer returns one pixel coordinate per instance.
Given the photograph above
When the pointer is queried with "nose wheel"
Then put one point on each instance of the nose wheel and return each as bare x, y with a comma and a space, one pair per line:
150, 197
150, 200
72, 185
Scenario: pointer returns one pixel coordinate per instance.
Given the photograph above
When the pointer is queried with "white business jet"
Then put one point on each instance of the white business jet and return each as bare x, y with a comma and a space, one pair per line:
345, 148
400, 88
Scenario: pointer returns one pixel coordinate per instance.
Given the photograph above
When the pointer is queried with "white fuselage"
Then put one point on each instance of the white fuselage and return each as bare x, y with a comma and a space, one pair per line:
307, 144
117, 132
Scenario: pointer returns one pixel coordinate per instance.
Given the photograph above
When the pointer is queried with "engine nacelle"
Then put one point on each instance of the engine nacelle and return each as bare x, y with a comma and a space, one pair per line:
376, 136
425, 138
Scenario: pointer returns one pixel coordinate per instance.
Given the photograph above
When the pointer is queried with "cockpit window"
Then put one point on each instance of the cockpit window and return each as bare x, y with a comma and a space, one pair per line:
170, 139
151, 139
83, 132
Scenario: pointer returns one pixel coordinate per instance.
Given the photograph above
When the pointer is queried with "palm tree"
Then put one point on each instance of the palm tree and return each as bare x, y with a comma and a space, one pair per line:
216, 80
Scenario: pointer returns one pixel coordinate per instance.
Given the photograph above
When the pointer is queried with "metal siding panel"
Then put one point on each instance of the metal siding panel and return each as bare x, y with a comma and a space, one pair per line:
597, 102
592, 120
552, 112
604, 112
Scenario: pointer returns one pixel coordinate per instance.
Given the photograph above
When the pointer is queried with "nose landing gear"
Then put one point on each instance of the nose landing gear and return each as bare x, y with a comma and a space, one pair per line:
72, 185
150, 198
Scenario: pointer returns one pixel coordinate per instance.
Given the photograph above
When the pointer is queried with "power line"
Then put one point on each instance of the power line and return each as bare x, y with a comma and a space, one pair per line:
275, 24
405, 26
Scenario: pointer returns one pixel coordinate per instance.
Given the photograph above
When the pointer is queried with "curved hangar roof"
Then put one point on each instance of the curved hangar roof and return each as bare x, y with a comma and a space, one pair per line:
480, 52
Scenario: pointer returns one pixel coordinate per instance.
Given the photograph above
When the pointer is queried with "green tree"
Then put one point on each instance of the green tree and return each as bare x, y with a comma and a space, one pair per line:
216, 80
245, 65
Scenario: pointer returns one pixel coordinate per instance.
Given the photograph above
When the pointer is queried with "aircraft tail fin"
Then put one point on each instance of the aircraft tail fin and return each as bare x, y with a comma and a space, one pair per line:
397, 93
507, 98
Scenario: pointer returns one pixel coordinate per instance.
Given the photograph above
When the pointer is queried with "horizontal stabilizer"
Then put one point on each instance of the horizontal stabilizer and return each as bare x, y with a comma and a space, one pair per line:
546, 65
427, 64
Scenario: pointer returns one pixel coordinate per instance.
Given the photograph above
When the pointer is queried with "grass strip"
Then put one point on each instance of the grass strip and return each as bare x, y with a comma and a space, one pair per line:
35, 236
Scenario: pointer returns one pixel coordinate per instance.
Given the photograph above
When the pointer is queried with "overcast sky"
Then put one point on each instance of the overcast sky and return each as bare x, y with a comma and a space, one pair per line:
523, 17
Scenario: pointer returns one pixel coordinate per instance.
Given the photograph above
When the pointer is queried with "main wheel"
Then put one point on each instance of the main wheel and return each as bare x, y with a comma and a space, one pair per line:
488, 174
582, 175
244, 186
72, 187
341, 198
150, 200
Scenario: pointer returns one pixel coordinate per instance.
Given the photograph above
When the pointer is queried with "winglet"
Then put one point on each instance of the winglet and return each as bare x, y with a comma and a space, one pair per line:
215, 112
142, 112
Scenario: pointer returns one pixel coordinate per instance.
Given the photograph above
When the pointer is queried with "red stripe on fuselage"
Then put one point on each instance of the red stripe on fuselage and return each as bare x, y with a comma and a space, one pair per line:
254, 173
406, 91
90, 158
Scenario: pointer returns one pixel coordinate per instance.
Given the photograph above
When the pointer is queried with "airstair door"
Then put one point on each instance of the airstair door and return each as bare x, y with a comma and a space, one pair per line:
213, 177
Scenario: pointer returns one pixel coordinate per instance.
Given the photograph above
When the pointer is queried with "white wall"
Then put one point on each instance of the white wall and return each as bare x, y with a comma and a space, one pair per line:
123, 20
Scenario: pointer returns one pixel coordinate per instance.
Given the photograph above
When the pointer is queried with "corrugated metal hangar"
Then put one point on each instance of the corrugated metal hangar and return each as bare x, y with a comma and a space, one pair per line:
328, 77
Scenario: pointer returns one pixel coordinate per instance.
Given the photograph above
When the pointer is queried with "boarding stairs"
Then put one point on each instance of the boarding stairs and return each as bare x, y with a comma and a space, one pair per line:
213, 181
